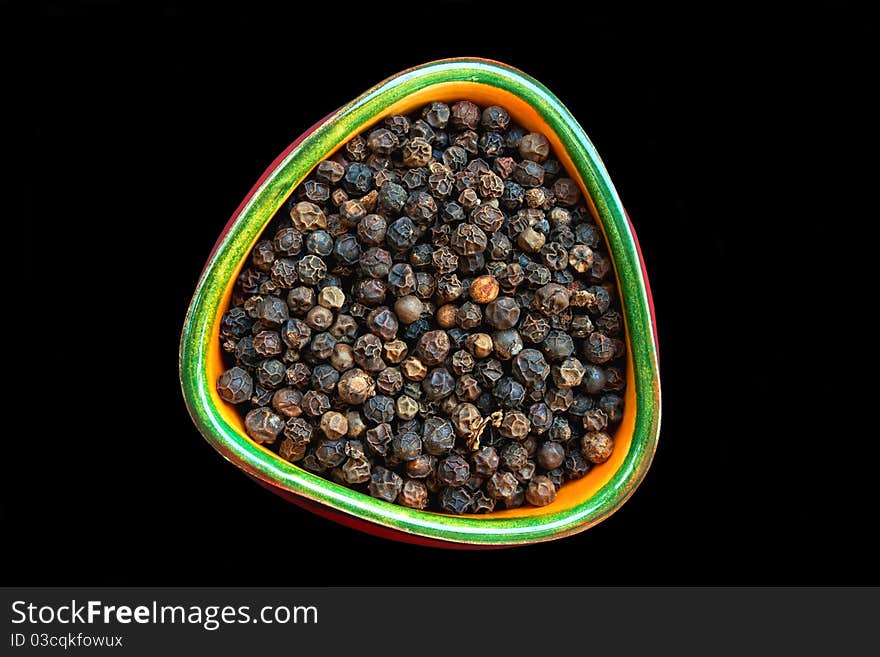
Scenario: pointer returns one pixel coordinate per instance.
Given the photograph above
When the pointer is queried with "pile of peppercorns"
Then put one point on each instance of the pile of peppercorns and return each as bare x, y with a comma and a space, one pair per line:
432, 319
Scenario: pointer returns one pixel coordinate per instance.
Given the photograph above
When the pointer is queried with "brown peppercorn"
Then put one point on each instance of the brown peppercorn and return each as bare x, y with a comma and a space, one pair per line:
293, 449
534, 146
329, 172
297, 375
421, 466
569, 373
382, 322
467, 388
334, 425
342, 357
331, 297
502, 485
479, 344
407, 408
378, 439
551, 299
447, 316
416, 152
262, 425
466, 420
550, 455
413, 369
300, 300
356, 425
344, 328
408, 309
368, 353
355, 387
338, 196
597, 446
462, 362
469, 198
352, 211
540, 491
319, 318
464, 115
389, 381
433, 347
566, 192
315, 403
514, 426
468, 240
355, 470
413, 494
484, 289
503, 313
307, 216
394, 351
288, 402
531, 240
448, 288
595, 420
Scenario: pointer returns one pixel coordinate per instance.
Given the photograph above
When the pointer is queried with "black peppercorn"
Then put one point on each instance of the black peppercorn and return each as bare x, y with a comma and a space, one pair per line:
529, 367
541, 417
385, 484
379, 409
439, 383
401, 234
513, 456
575, 465
502, 313
599, 348
406, 446
507, 343
455, 500
235, 385
438, 436
453, 470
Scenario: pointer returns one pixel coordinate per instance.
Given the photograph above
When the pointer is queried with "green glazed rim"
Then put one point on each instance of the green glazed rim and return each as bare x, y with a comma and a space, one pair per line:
256, 212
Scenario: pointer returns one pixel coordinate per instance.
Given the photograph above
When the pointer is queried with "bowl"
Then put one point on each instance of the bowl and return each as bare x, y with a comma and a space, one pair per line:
580, 504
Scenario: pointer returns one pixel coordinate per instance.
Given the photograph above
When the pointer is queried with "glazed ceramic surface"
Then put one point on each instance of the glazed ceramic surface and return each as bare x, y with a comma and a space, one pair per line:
580, 504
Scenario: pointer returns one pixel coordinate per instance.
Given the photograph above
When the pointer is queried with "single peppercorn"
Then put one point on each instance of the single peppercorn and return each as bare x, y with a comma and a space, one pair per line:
455, 500
596, 446
235, 385
507, 343
385, 484
433, 347
355, 387
514, 426
262, 425
550, 455
540, 491
379, 409
408, 309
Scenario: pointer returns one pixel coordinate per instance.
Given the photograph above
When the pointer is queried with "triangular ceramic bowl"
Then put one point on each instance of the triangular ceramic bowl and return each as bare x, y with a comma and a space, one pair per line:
580, 504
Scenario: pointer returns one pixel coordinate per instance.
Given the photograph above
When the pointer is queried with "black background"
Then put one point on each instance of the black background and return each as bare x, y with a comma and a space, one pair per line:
152, 122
